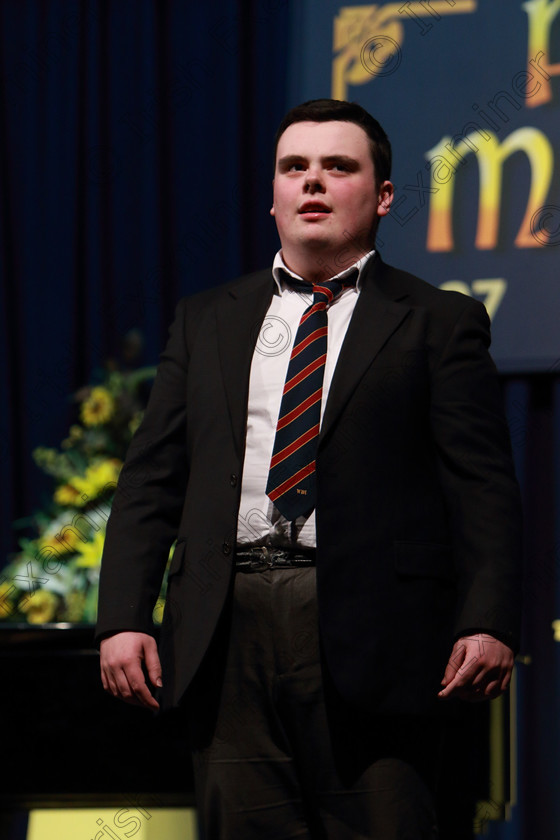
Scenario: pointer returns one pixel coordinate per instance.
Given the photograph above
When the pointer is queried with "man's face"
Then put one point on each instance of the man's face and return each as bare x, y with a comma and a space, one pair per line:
326, 202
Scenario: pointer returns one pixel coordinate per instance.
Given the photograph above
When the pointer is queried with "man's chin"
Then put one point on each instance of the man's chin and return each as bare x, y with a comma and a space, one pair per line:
316, 236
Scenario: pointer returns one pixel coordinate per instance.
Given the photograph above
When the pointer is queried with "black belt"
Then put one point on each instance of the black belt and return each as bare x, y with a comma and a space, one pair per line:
259, 558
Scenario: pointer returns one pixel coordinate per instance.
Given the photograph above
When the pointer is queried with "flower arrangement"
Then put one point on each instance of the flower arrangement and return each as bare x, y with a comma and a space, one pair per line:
54, 577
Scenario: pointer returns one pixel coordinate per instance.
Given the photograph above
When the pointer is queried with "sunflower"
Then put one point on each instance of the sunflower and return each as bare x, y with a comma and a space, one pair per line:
98, 408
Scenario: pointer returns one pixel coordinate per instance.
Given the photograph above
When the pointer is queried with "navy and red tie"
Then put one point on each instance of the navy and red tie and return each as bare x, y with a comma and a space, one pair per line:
291, 479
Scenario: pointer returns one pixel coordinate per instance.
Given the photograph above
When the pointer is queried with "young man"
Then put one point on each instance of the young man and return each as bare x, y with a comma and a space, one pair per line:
333, 460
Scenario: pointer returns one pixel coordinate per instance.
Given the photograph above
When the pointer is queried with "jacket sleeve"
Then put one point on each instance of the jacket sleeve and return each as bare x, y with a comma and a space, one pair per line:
475, 464
149, 498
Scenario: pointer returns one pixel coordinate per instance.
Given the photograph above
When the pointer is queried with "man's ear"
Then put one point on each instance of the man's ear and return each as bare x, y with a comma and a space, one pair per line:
385, 198
272, 208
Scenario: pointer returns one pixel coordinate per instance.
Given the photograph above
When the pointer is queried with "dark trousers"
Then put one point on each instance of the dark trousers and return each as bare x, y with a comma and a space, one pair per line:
273, 760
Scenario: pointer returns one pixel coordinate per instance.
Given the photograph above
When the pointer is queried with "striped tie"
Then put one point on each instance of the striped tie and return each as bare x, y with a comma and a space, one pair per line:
291, 480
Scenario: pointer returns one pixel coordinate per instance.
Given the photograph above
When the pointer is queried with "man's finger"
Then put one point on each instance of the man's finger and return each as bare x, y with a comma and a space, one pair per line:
153, 664
451, 688
128, 684
455, 661
139, 690
459, 675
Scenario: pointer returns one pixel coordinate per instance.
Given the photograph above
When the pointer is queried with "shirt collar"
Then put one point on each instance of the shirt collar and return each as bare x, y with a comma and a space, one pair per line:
280, 264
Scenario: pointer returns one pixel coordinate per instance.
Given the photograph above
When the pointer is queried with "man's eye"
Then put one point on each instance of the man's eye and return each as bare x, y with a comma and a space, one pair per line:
296, 167
340, 167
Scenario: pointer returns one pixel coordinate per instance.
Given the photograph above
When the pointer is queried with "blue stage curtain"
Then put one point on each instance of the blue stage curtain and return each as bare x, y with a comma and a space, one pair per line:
533, 409
136, 167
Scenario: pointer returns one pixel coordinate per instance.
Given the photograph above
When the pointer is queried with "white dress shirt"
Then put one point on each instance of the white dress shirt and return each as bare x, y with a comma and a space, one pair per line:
259, 522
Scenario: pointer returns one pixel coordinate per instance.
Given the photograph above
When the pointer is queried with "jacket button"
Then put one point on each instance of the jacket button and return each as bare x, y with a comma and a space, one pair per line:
226, 548
233, 480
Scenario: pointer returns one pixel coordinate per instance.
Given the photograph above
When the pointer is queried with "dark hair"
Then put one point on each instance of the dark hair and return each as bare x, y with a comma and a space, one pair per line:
326, 110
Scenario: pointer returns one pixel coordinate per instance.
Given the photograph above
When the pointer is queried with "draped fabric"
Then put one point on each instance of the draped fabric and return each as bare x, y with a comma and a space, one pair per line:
135, 167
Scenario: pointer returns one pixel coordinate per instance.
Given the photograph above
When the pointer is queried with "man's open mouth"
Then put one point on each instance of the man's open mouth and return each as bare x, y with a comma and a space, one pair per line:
314, 207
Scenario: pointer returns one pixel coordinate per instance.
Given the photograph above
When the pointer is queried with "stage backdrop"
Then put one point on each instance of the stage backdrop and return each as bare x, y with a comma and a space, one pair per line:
469, 94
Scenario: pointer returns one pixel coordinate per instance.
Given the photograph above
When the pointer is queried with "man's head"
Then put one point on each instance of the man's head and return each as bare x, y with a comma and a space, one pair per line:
325, 110
330, 186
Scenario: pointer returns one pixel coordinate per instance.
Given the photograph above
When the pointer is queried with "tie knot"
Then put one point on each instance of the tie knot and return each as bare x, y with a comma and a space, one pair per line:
331, 289
323, 292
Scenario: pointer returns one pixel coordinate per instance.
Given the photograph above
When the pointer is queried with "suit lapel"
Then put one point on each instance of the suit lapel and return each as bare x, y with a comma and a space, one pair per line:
241, 311
374, 320
239, 316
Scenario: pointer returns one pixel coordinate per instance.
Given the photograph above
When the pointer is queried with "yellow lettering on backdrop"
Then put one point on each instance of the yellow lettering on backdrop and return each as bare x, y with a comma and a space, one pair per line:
490, 154
541, 14
491, 289
367, 43
367, 39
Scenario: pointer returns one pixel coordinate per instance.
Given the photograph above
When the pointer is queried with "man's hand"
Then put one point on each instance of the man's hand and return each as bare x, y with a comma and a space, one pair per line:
479, 668
122, 675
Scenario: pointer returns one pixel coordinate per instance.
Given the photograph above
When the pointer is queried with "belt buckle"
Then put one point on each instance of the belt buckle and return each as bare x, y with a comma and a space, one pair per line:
267, 557
261, 559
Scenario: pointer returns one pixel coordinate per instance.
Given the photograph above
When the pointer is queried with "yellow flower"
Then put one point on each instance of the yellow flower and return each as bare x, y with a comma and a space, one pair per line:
40, 606
97, 478
89, 553
66, 495
62, 542
98, 408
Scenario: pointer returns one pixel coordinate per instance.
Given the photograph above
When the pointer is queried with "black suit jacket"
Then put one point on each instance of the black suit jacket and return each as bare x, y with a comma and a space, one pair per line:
418, 511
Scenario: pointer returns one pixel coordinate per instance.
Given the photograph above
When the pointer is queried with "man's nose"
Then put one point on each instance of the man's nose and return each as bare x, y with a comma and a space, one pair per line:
314, 180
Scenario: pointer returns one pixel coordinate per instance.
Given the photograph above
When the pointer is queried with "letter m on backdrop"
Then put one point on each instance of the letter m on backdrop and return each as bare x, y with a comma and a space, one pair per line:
447, 156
